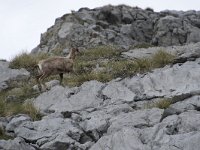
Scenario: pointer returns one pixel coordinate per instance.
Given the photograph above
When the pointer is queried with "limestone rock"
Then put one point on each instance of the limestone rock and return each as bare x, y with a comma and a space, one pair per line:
8, 75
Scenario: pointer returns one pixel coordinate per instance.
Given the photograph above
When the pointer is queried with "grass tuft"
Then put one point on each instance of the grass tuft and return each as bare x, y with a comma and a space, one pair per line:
161, 58
163, 103
11, 100
3, 135
26, 60
29, 109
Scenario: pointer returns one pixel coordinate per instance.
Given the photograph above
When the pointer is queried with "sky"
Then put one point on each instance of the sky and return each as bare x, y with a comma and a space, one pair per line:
23, 21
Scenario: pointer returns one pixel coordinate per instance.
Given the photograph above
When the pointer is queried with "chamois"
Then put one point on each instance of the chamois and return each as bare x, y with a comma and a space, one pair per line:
55, 65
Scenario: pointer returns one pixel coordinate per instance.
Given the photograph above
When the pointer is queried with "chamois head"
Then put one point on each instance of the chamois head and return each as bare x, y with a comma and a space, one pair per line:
73, 53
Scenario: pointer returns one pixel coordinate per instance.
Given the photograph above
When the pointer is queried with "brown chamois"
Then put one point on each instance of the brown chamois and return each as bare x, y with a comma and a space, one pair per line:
55, 65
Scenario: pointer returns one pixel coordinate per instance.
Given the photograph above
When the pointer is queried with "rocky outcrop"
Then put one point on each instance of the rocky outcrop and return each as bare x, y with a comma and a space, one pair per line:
121, 114
122, 26
7, 75
16, 144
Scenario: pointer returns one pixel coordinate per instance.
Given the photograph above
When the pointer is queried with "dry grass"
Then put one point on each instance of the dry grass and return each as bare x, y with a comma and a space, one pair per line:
162, 58
112, 68
99, 52
108, 58
161, 103
29, 109
12, 100
3, 135
26, 60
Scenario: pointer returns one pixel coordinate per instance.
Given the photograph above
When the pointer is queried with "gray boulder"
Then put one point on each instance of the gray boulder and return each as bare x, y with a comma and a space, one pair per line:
7, 75
132, 25
60, 99
16, 144
169, 31
52, 133
16, 121
126, 138
168, 81
184, 53
174, 132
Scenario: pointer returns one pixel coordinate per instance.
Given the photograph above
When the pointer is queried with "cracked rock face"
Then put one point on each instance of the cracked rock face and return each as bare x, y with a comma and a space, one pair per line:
111, 116
16, 144
117, 115
8, 75
122, 26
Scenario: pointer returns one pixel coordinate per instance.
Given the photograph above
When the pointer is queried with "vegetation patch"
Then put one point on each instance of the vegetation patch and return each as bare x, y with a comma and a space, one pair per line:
99, 52
26, 60
109, 65
162, 58
12, 100
161, 103
102, 63
3, 135
29, 109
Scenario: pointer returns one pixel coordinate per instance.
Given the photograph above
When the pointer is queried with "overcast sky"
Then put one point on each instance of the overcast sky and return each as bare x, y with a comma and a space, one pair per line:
22, 21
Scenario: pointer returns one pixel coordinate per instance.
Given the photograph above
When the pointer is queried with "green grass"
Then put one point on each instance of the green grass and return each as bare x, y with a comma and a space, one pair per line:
161, 103
12, 106
26, 60
161, 58
99, 52
108, 58
113, 65
3, 136
29, 109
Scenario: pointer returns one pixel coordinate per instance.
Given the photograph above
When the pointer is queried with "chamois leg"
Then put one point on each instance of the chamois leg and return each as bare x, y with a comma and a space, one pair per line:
38, 82
61, 78
41, 80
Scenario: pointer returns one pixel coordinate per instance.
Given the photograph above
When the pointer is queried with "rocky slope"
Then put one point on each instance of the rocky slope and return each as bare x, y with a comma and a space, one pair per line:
123, 26
120, 114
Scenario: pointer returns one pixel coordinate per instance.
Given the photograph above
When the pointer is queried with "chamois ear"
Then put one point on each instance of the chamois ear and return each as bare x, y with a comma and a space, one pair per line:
76, 50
